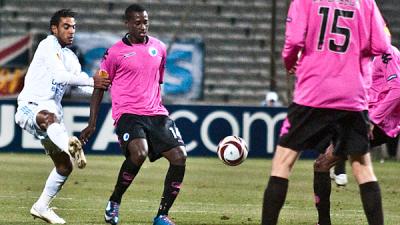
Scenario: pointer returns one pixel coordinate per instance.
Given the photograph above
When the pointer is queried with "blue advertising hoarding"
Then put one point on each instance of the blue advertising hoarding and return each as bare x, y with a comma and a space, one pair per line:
201, 126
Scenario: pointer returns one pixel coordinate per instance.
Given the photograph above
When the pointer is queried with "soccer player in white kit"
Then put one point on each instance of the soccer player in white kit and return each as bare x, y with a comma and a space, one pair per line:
53, 69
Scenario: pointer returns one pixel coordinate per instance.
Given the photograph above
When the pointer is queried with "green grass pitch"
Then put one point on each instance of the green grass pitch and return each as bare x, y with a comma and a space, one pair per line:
212, 194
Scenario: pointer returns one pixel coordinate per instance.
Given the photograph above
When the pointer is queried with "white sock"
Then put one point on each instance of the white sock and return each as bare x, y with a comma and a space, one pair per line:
53, 185
59, 136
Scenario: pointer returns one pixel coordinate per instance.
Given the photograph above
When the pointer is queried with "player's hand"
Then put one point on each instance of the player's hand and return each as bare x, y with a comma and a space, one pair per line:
86, 134
101, 80
292, 71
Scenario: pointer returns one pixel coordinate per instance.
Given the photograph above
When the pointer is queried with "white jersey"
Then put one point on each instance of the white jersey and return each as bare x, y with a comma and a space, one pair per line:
51, 70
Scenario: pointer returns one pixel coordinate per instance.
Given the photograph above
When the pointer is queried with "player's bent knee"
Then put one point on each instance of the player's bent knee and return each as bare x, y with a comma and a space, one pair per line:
176, 156
322, 164
363, 173
181, 157
138, 156
51, 118
45, 118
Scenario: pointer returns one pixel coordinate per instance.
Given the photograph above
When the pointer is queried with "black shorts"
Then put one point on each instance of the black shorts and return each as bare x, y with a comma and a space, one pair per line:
160, 132
380, 137
308, 128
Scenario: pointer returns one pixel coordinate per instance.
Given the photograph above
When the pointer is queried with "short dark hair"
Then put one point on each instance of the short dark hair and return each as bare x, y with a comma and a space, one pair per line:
55, 19
133, 8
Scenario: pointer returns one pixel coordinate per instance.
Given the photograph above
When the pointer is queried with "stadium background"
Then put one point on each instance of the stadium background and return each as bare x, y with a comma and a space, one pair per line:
234, 58
238, 37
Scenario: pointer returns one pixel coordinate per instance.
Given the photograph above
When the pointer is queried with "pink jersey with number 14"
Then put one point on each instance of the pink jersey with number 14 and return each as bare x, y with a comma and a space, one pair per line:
333, 38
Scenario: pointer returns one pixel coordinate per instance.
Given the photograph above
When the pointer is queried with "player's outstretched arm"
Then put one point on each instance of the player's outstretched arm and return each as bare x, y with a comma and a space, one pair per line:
95, 101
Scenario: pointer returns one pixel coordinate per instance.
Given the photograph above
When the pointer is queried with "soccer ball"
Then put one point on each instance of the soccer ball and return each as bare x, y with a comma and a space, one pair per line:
232, 150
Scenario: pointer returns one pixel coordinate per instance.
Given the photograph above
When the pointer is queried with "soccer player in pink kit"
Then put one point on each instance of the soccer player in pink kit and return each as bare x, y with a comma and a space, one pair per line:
333, 38
384, 111
135, 66
384, 104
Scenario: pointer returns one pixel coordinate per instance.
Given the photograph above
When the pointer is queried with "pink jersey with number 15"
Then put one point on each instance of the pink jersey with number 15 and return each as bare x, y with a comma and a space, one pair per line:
333, 38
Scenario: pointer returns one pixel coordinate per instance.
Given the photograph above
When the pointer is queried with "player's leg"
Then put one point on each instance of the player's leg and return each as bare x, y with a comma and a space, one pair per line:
173, 179
47, 121
136, 154
355, 141
40, 121
26, 117
322, 184
167, 142
369, 188
275, 193
54, 183
135, 148
292, 140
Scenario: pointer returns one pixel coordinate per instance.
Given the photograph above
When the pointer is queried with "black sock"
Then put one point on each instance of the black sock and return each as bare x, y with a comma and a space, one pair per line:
322, 193
372, 202
126, 175
340, 167
172, 185
274, 197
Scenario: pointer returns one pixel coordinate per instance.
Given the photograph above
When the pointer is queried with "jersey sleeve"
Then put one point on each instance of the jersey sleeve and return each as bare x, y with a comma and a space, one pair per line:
393, 68
380, 40
390, 63
81, 79
54, 64
108, 64
296, 29
82, 91
163, 65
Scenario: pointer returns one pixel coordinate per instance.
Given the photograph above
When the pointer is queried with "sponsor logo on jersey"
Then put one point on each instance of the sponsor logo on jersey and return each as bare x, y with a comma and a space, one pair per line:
153, 51
129, 54
391, 77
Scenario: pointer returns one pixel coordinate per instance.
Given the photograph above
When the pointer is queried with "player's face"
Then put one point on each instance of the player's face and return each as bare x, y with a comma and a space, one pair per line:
65, 30
138, 25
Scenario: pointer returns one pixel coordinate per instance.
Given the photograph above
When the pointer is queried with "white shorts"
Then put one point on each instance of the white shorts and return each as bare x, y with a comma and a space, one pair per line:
26, 113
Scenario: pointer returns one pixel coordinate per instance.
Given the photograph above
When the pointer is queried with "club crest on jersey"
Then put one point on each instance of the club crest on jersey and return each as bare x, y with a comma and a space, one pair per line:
153, 51
125, 137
